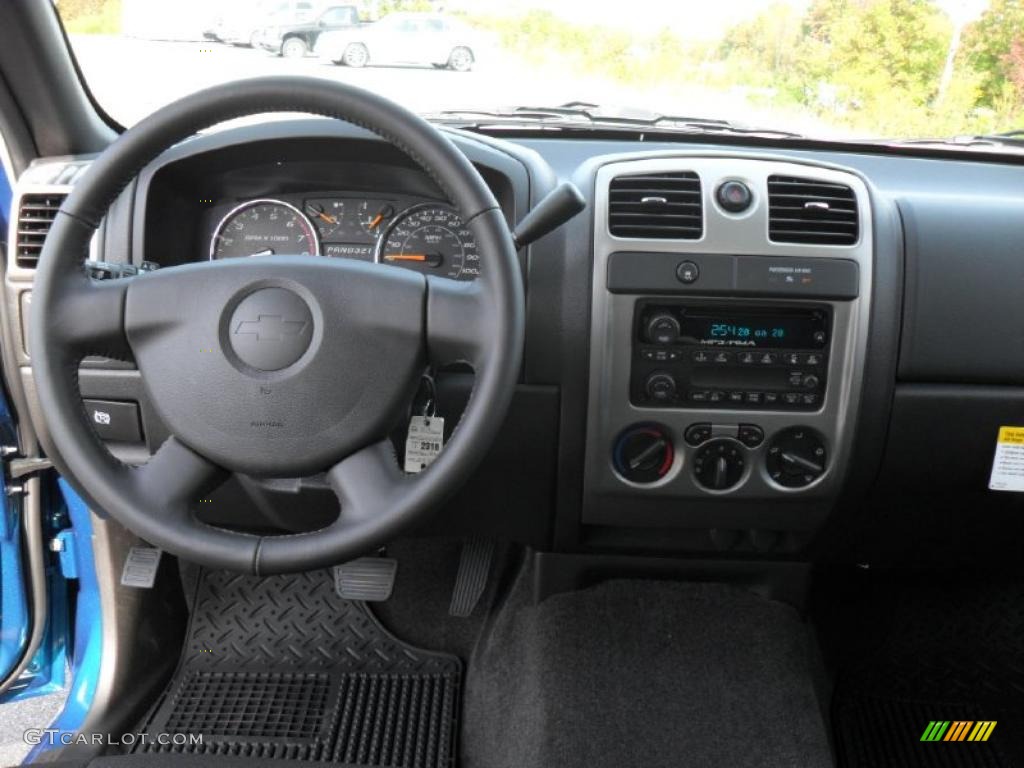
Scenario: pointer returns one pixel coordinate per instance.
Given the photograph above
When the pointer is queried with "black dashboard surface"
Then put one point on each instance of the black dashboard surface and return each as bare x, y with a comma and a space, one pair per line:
951, 305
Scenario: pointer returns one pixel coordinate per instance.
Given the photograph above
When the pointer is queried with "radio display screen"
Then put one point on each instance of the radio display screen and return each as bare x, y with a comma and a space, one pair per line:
805, 331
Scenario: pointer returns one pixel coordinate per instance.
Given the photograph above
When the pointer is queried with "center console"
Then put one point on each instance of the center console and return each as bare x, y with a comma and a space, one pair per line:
730, 306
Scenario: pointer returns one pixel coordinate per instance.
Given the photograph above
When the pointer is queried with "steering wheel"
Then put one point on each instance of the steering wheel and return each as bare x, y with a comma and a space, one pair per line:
277, 366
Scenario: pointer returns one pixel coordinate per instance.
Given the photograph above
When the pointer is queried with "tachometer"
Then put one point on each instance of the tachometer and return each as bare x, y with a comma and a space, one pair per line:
264, 228
432, 239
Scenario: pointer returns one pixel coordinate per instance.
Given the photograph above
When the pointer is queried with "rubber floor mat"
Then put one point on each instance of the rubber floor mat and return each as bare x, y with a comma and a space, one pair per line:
944, 650
281, 667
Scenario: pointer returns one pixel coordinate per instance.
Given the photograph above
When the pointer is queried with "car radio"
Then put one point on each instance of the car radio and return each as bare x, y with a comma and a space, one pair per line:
724, 356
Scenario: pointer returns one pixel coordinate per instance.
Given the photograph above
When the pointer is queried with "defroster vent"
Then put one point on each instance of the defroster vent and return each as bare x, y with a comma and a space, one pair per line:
811, 211
35, 216
661, 206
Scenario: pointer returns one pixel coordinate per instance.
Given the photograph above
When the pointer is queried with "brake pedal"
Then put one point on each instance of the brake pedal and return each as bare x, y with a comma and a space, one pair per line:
370, 579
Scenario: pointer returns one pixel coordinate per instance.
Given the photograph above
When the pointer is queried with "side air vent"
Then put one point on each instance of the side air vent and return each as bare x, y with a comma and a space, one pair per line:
35, 215
811, 211
663, 206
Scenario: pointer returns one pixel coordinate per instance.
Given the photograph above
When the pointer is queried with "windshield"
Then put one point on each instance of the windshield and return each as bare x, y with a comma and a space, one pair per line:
830, 69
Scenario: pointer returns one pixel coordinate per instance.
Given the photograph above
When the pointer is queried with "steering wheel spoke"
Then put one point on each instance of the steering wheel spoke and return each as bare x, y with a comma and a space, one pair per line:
368, 484
457, 329
176, 475
366, 481
89, 318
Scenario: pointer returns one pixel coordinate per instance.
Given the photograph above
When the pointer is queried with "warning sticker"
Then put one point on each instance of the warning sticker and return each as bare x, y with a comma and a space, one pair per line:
1008, 465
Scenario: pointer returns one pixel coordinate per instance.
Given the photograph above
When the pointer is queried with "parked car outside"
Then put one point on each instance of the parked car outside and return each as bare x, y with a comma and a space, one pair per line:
243, 24
403, 38
296, 40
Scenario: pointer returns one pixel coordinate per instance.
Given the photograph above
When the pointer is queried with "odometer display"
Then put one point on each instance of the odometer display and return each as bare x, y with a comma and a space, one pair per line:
264, 228
431, 239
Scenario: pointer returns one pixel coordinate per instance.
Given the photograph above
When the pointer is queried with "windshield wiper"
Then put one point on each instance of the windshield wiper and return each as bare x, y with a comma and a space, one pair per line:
583, 116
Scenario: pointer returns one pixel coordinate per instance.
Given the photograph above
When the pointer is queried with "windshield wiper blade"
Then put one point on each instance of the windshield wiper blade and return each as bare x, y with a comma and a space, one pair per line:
583, 115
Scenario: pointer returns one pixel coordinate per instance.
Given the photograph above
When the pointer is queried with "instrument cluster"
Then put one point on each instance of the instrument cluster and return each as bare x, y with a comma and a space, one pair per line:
425, 236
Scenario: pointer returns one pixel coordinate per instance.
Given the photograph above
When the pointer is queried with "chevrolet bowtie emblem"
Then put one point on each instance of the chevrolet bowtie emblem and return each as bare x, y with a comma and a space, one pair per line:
270, 328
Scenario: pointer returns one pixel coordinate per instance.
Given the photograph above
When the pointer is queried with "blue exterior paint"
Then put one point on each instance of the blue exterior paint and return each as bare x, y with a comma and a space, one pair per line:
5, 204
88, 630
13, 600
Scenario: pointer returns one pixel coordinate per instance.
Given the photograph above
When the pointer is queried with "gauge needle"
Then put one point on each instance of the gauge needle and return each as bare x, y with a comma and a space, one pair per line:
264, 252
432, 259
328, 218
386, 212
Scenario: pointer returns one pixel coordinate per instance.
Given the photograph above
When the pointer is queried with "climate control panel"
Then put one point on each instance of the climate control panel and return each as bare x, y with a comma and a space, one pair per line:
718, 458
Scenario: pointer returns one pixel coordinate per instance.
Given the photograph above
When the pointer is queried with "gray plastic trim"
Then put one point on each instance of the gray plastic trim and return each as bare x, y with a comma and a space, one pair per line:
609, 410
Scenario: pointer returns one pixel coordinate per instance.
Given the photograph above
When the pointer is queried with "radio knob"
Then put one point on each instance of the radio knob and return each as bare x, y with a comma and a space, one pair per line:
660, 387
663, 329
811, 381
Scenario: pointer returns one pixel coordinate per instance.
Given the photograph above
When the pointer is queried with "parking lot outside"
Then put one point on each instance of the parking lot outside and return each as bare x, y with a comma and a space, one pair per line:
132, 77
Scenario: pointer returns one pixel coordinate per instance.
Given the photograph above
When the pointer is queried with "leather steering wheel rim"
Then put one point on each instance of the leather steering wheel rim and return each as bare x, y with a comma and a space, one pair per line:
481, 323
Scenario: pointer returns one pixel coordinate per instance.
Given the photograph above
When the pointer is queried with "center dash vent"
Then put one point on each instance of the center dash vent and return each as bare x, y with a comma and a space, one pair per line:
663, 206
811, 211
35, 216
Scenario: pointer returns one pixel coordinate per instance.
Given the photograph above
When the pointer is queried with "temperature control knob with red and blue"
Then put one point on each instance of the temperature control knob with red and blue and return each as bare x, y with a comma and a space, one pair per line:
643, 453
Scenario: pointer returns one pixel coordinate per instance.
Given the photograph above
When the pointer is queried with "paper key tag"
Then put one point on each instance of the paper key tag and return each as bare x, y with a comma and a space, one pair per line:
1008, 464
424, 443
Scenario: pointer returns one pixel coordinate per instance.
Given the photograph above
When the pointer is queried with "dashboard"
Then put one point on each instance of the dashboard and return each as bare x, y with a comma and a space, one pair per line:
426, 236
733, 352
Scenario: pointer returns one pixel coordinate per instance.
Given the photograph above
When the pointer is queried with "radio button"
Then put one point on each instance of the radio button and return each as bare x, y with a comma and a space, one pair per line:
747, 358
810, 399
754, 398
736, 397
768, 358
819, 337
813, 359
750, 435
716, 396
796, 378
791, 398
723, 358
699, 395
811, 381
791, 358
701, 356
771, 398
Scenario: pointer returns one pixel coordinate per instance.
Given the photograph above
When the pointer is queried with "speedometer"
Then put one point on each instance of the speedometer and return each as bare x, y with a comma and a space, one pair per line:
432, 239
264, 228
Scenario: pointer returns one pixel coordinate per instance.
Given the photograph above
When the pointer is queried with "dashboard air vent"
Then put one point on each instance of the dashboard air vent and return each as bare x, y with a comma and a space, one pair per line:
811, 211
35, 215
662, 206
